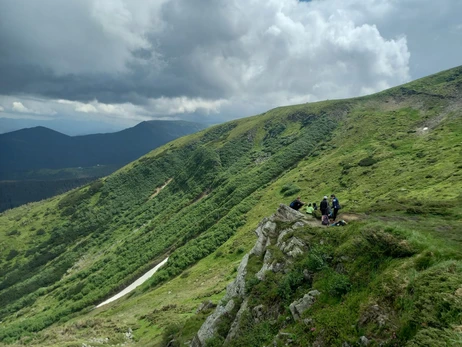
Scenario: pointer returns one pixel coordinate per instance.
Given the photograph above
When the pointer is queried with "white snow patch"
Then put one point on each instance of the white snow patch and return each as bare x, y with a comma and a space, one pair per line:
135, 284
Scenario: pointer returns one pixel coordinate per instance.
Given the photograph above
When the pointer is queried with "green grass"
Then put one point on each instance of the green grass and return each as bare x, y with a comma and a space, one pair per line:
62, 256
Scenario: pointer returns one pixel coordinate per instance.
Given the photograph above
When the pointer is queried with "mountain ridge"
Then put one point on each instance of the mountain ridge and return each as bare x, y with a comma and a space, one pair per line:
64, 256
17, 153
38, 162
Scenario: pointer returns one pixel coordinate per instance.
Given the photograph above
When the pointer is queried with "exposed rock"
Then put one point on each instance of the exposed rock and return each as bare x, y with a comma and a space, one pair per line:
206, 305
261, 273
235, 325
363, 341
264, 231
208, 329
458, 292
237, 287
129, 334
298, 307
287, 214
293, 247
268, 256
286, 338
374, 314
282, 234
257, 313
307, 275
278, 267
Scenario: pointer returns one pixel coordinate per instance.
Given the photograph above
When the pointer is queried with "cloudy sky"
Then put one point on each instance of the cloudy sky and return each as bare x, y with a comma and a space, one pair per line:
119, 62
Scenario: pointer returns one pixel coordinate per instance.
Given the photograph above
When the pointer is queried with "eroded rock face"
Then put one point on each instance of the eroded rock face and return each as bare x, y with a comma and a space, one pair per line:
237, 287
206, 305
208, 329
235, 325
264, 231
292, 247
298, 307
235, 292
287, 214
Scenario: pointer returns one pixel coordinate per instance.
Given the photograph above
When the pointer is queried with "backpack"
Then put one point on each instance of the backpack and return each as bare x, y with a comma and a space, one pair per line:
325, 219
337, 205
292, 204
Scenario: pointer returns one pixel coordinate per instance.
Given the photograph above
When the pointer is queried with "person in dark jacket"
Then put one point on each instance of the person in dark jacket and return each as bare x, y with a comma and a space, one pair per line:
324, 206
335, 207
296, 204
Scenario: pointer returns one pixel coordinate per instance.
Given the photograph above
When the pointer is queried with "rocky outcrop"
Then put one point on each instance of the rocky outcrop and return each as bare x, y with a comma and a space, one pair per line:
237, 287
268, 234
298, 307
208, 329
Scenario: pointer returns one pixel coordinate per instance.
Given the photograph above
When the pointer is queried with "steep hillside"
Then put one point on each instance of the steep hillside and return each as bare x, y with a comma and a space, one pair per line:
38, 163
392, 158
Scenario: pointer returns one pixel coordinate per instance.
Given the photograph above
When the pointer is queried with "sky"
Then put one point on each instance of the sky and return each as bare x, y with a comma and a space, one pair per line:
95, 65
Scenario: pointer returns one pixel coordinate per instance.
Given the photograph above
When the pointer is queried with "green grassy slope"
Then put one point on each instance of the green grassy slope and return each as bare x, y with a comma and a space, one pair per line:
394, 156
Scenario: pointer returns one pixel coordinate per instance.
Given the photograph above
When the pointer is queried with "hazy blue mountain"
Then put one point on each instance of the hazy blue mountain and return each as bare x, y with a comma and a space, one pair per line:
42, 148
37, 163
63, 125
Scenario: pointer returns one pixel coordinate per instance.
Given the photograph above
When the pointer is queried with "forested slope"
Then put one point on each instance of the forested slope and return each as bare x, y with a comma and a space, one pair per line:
391, 155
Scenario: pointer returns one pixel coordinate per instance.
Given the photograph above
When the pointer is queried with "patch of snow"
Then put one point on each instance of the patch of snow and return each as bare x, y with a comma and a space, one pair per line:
135, 284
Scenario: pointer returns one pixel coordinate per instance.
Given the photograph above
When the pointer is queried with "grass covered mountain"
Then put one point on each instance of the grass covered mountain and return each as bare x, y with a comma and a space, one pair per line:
392, 158
37, 163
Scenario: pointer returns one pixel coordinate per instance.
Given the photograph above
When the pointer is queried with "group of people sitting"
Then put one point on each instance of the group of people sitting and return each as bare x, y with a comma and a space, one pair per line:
327, 211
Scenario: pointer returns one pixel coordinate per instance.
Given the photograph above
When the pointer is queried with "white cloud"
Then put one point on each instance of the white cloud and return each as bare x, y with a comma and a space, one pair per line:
180, 105
19, 107
86, 108
35, 106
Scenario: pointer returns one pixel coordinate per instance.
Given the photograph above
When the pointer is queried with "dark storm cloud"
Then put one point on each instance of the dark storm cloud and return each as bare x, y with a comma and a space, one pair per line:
85, 50
143, 58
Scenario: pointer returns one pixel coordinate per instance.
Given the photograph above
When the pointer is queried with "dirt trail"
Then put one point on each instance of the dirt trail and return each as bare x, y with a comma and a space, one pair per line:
347, 217
158, 189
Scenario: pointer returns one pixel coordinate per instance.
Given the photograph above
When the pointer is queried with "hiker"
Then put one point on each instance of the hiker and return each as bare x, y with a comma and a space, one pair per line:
335, 206
324, 207
296, 204
315, 207
309, 209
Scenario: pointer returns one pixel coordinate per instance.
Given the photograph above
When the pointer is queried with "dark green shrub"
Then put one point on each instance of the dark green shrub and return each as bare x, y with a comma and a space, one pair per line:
369, 161
388, 244
40, 232
338, 284
170, 335
13, 253
289, 189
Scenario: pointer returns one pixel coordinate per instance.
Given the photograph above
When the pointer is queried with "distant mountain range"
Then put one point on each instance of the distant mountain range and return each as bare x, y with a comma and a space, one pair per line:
37, 163
42, 148
63, 124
